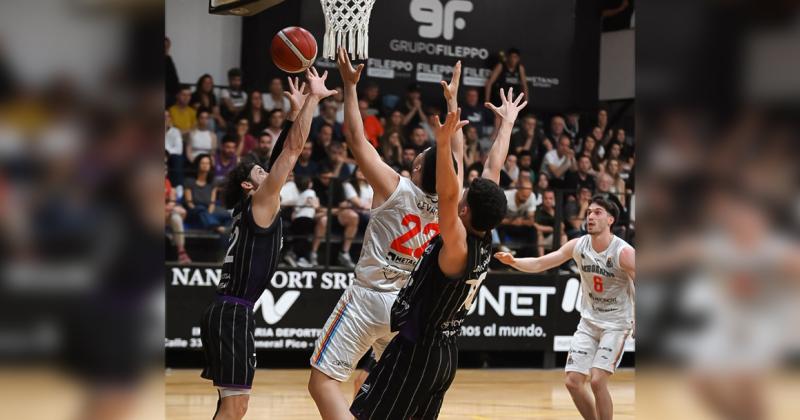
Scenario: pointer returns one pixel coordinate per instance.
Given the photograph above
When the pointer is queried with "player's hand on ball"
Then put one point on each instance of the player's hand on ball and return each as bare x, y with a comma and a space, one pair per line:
316, 83
451, 124
349, 74
509, 107
297, 94
451, 89
504, 257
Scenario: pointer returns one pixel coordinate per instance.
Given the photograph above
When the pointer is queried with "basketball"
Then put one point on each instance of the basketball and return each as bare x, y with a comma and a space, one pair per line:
293, 49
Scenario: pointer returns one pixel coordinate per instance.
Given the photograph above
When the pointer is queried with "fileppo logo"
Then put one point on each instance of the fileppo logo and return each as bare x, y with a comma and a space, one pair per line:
274, 311
439, 20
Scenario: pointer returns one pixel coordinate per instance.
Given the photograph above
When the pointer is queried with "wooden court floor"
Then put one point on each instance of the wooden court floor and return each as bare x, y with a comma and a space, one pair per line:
476, 394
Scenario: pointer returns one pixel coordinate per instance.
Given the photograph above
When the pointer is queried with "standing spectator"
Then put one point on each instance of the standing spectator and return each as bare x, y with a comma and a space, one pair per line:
171, 82
411, 108
573, 125
327, 116
330, 192
475, 112
184, 117
173, 144
557, 162
506, 75
201, 140
233, 97
261, 153
518, 225
419, 139
275, 99
305, 167
373, 128
302, 227
254, 114
175, 214
245, 142
557, 126
275, 123
204, 98
511, 169
226, 159
617, 183
391, 149
582, 178
200, 196
545, 222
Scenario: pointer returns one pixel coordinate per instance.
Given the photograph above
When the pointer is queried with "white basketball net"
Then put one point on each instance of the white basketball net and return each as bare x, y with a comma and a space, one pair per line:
346, 23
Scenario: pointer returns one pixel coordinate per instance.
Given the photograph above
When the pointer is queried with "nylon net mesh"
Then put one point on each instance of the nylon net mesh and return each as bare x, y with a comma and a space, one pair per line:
346, 23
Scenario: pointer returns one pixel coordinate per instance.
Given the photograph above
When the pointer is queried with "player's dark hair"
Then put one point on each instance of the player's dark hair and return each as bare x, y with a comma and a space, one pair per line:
608, 205
233, 192
429, 170
487, 203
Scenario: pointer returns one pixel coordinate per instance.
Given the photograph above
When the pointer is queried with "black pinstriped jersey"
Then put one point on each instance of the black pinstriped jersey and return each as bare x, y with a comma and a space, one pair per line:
434, 306
252, 256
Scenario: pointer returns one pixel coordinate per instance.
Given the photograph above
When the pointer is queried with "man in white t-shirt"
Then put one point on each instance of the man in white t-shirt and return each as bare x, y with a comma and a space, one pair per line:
558, 161
233, 97
517, 227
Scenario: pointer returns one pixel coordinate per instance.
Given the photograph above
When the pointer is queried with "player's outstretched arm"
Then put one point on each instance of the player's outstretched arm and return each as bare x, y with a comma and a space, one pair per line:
627, 260
380, 176
451, 96
453, 256
507, 113
537, 265
266, 200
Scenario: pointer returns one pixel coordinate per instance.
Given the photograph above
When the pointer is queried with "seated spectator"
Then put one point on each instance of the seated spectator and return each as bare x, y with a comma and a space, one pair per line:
173, 144
557, 125
471, 147
524, 163
226, 159
204, 98
338, 100
358, 193
557, 162
245, 142
202, 141
200, 196
330, 192
419, 139
254, 113
542, 185
327, 116
275, 123
409, 154
545, 222
411, 108
373, 129
337, 161
575, 213
305, 167
262, 152
605, 184
391, 149
476, 113
602, 124
305, 207
175, 214
233, 97
583, 177
593, 151
430, 121
518, 225
395, 123
617, 183
628, 150
614, 152
184, 117
511, 169
372, 94
572, 126
274, 98
471, 175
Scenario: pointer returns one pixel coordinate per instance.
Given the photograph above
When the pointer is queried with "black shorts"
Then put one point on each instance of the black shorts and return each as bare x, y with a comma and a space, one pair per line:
409, 381
367, 362
227, 330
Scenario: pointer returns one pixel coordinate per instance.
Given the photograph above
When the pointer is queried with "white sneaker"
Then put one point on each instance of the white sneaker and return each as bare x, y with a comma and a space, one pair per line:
290, 258
302, 262
346, 261
313, 259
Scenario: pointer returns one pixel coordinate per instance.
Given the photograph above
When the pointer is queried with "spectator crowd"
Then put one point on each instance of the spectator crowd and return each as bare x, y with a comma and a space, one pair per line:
556, 163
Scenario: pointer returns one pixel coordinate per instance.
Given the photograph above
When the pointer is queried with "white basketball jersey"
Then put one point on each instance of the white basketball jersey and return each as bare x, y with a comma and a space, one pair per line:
397, 233
607, 290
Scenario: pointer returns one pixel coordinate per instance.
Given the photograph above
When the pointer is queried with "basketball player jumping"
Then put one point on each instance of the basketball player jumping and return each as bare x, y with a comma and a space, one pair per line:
606, 265
254, 195
404, 218
420, 363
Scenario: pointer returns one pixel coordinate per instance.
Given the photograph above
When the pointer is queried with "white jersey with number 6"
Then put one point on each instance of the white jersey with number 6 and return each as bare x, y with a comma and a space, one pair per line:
607, 290
396, 235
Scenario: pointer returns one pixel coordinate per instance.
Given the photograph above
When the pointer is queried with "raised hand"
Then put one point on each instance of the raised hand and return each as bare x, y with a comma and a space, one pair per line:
296, 95
505, 258
316, 84
349, 74
509, 107
444, 132
451, 89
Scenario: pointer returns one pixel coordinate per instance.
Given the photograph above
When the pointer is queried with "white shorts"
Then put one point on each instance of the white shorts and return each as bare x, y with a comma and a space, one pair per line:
360, 320
595, 347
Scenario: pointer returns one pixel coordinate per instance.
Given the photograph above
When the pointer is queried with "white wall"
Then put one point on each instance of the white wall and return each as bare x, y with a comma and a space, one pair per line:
201, 42
617, 65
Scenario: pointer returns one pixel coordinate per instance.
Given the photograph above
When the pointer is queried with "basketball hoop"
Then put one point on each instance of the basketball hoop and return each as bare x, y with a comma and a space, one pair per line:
346, 24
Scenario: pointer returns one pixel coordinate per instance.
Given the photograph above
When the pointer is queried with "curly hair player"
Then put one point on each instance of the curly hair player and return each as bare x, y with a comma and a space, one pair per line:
419, 364
607, 267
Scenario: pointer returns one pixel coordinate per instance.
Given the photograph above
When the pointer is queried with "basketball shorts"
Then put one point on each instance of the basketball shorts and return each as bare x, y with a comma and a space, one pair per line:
595, 347
227, 330
359, 321
409, 381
